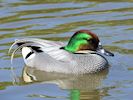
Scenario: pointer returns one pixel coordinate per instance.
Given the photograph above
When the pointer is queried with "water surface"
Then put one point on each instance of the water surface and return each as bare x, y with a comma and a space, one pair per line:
57, 20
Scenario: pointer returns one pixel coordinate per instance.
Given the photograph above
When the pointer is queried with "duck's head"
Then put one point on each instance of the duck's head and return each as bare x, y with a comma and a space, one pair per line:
84, 40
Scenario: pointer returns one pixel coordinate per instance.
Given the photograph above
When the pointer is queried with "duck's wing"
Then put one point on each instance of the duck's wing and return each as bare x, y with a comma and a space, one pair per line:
37, 46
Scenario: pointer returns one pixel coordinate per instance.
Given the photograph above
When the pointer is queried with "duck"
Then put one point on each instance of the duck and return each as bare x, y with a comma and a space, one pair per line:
82, 54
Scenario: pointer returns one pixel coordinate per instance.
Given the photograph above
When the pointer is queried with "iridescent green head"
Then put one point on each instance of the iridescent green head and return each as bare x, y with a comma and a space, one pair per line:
82, 40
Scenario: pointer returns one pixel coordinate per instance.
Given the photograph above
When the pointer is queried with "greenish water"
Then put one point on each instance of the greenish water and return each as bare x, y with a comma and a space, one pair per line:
57, 20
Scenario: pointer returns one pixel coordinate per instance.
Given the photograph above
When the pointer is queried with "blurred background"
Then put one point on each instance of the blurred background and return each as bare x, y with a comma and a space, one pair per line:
111, 20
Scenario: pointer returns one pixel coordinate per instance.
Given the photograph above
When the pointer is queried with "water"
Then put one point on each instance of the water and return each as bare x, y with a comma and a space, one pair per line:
58, 20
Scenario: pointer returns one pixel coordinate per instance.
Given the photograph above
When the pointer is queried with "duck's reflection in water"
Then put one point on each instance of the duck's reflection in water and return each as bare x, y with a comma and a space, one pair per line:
82, 87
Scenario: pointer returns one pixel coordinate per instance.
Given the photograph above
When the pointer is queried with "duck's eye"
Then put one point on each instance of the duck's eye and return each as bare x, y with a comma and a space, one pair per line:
86, 39
90, 41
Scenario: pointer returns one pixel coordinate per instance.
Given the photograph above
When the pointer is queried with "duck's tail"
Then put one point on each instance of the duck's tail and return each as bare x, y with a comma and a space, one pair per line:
28, 47
31, 46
